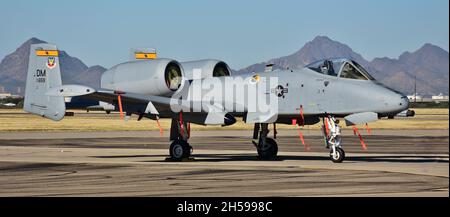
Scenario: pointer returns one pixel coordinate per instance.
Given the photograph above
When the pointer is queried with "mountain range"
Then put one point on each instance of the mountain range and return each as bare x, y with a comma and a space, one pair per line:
13, 69
429, 66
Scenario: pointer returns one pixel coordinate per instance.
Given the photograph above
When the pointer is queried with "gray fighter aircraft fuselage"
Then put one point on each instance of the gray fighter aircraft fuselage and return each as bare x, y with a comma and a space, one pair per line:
323, 94
205, 92
320, 95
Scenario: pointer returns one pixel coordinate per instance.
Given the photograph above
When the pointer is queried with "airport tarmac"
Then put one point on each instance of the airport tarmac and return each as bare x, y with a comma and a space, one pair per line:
397, 163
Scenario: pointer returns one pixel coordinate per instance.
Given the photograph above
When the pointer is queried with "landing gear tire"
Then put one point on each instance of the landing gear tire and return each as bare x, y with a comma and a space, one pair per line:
267, 150
339, 156
180, 149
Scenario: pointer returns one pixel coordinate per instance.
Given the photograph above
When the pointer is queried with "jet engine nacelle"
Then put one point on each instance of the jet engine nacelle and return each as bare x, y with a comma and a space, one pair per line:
207, 69
153, 77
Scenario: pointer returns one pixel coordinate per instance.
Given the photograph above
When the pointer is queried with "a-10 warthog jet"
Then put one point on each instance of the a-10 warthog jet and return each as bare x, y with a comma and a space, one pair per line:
204, 92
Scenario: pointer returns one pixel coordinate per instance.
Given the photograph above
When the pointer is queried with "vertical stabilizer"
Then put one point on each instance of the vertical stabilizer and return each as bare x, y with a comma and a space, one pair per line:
43, 74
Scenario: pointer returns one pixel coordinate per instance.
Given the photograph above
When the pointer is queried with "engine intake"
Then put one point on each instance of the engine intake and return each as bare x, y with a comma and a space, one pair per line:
209, 68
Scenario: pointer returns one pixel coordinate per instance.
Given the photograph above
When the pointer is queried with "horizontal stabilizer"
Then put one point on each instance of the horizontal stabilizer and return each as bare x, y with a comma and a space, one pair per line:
70, 90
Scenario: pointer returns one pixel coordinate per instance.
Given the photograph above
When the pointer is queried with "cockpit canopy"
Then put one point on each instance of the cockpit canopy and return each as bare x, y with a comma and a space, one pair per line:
343, 68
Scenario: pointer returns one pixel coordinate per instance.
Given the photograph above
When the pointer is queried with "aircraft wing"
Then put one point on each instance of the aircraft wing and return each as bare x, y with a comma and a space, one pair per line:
147, 104
159, 103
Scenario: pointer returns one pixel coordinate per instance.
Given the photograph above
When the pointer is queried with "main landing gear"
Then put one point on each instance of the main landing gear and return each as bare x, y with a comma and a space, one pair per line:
179, 134
332, 137
267, 147
179, 150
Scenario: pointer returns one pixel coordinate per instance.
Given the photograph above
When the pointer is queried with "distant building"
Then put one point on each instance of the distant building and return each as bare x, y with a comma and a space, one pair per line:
5, 95
8, 95
440, 97
415, 98
2, 89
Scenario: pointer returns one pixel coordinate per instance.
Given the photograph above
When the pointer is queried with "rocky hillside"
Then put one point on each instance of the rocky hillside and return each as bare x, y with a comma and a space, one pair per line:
430, 64
13, 69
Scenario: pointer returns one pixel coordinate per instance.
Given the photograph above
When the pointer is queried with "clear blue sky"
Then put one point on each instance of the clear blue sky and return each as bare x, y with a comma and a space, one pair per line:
237, 31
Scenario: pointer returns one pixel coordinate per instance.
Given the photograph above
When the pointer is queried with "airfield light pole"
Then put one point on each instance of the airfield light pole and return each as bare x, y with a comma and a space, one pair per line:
415, 87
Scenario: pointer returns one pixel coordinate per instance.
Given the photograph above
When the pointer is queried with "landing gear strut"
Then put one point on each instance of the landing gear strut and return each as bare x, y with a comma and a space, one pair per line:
179, 135
267, 147
332, 137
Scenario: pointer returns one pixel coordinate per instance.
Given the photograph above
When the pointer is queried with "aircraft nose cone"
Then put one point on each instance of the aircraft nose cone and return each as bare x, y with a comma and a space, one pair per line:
404, 103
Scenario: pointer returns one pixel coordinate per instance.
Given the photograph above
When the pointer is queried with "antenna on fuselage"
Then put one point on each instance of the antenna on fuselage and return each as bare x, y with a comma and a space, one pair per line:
269, 67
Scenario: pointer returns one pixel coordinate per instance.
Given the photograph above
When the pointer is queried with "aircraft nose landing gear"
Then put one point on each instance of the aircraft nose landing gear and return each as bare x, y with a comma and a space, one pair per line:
337, 155
332, 136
